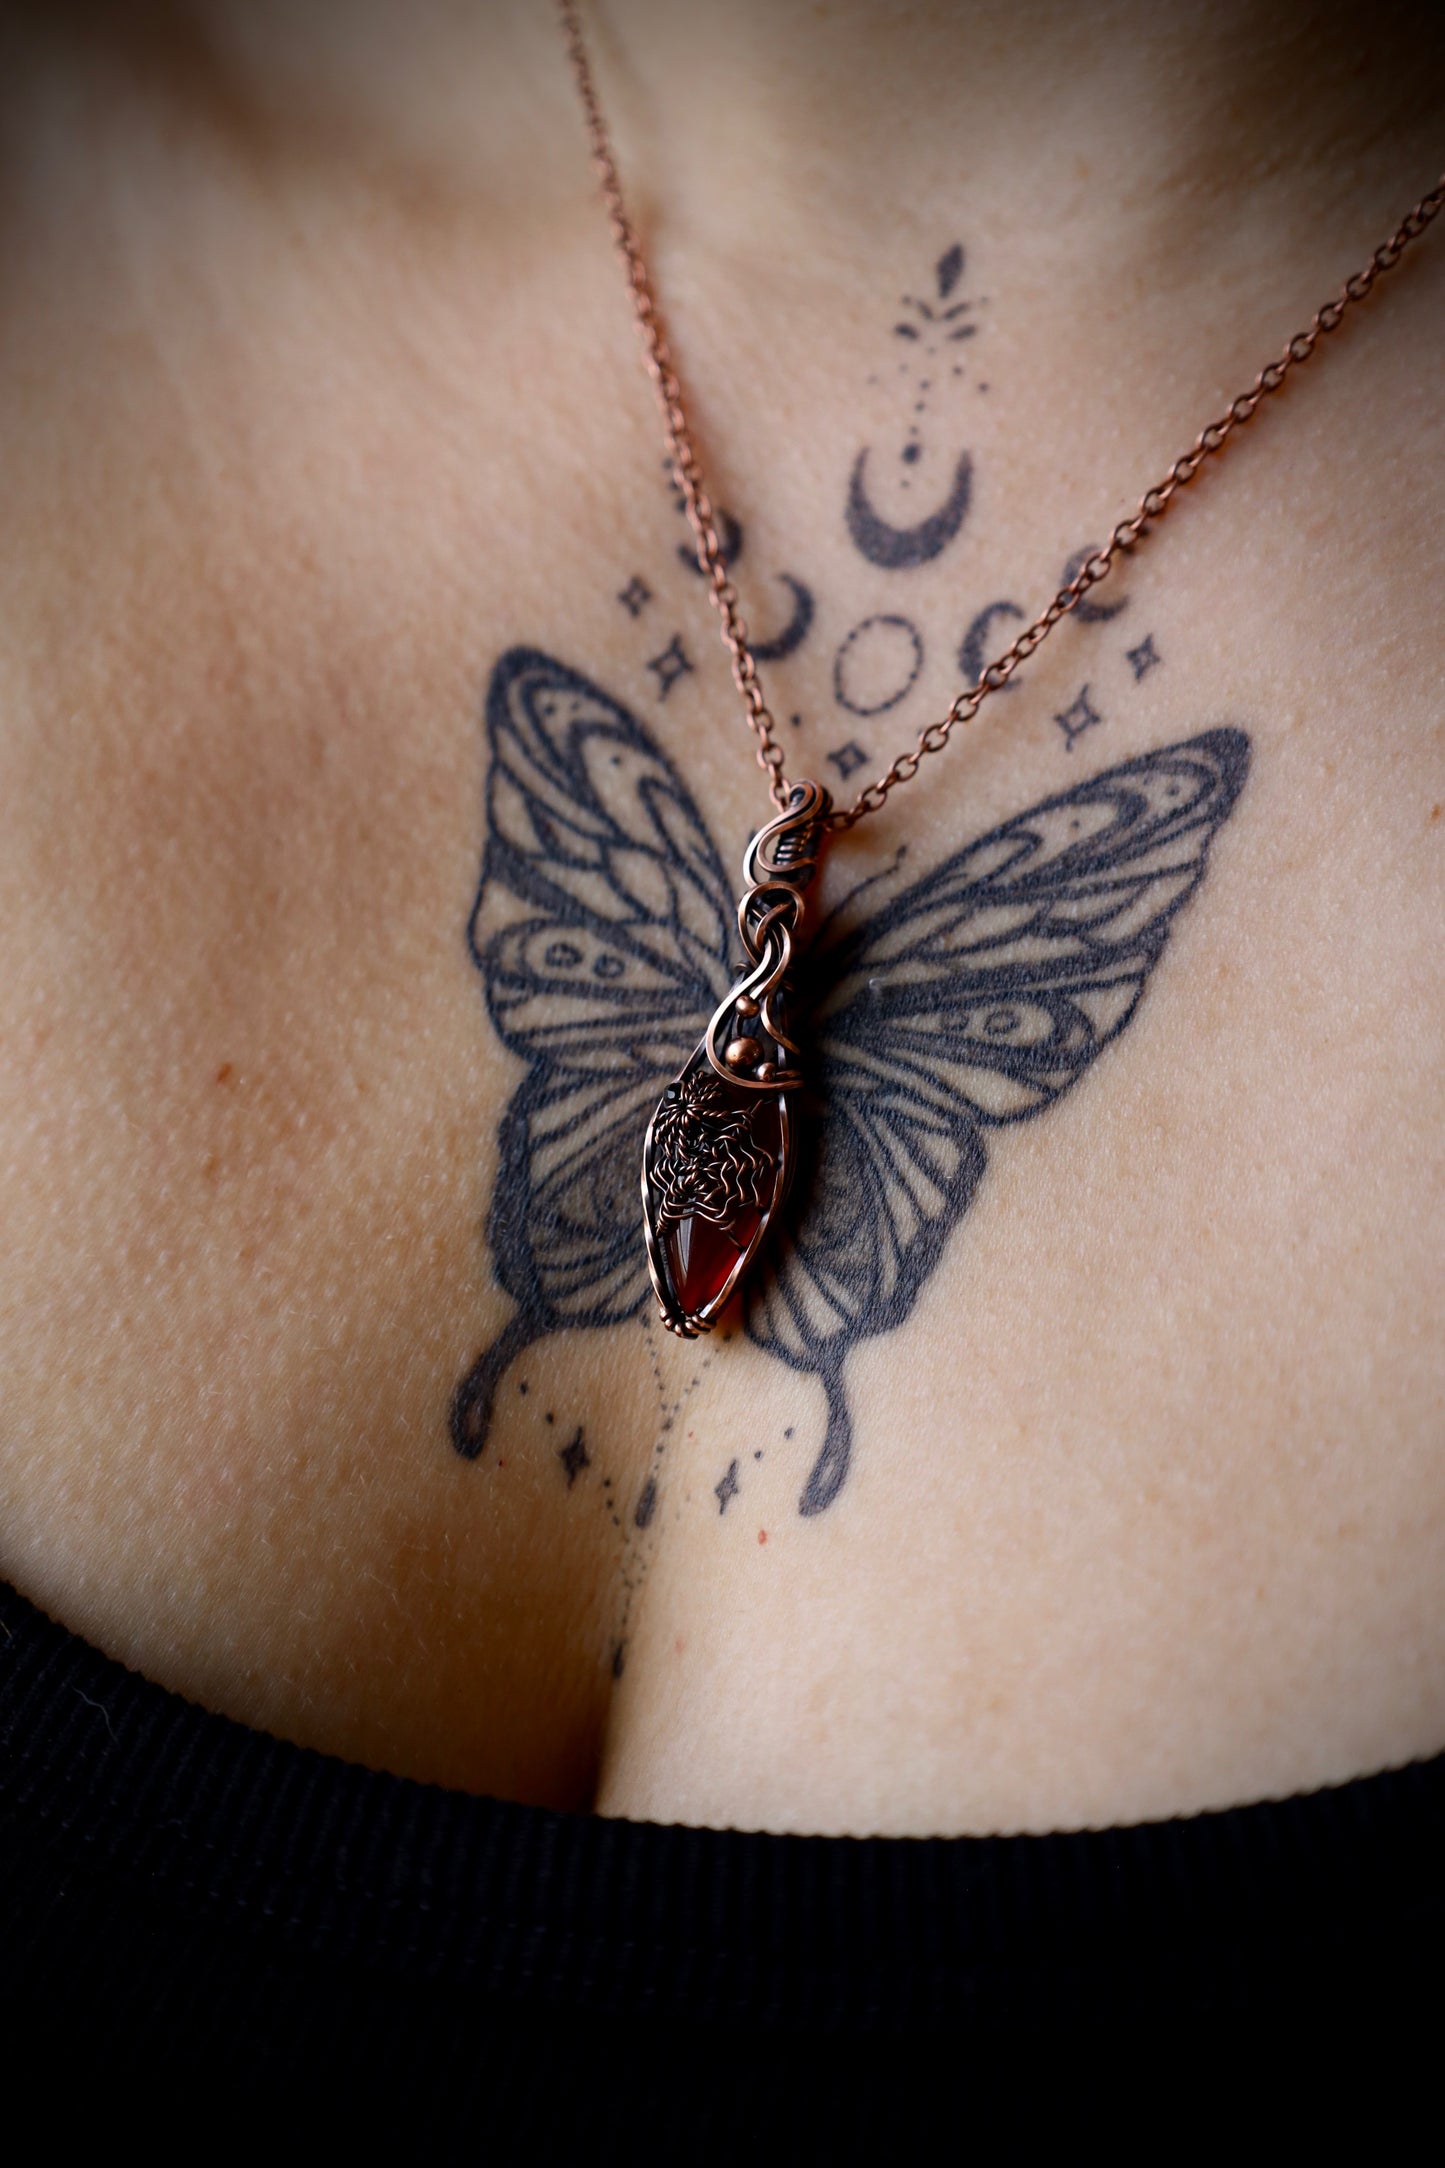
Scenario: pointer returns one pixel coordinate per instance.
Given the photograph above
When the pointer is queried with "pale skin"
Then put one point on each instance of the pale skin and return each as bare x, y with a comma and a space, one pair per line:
317, 393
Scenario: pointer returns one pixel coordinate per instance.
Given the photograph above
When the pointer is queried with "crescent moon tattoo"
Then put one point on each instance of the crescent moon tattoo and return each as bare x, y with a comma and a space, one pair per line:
796, 631
730, 542
1090, 613
972, 656
894, 549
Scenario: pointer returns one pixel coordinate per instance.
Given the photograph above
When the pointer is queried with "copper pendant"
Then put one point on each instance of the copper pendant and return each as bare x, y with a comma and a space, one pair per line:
718, 1154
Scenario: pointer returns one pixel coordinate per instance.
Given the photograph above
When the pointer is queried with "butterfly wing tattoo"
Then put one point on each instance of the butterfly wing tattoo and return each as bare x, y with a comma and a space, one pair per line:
611, 938
974, 997
939, 1008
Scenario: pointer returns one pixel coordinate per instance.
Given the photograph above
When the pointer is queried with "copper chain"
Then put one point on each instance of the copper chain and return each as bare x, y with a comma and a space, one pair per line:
701, 517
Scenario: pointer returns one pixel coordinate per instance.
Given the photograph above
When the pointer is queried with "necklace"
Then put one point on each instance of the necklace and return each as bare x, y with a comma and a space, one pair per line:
719, 1151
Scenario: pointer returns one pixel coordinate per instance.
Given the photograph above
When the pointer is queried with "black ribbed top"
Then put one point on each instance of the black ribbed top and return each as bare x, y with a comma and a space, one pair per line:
280, 1922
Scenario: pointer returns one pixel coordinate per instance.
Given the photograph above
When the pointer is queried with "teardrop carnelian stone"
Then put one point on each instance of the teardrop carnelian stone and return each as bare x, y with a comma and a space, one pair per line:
701, 1256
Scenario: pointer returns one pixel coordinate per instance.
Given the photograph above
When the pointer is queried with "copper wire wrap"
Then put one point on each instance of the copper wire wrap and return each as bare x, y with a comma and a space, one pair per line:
1129, 532
779, 863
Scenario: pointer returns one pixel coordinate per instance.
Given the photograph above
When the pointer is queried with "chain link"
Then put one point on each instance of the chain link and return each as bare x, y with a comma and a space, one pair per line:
1129, 532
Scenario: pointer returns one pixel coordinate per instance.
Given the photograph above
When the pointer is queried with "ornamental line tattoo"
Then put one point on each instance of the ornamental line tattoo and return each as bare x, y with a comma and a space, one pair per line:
931, 332
943, 1007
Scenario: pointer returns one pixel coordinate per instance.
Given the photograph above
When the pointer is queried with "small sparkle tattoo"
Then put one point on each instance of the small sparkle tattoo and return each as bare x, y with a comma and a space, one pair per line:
1078, 718
847, 758
670, 665
574, 1457
1143, 658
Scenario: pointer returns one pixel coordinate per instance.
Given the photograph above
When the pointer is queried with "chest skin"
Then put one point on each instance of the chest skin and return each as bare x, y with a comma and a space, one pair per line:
1146, 1497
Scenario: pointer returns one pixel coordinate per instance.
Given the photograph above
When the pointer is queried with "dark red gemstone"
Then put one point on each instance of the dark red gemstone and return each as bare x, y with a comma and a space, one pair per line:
701, 1256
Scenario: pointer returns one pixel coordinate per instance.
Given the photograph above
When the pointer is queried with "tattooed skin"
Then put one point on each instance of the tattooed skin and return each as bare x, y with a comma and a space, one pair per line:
928, 338
939, 1007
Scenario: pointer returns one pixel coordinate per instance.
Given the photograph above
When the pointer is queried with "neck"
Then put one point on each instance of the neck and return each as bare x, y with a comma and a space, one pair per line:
1116, 133
1151, 107
787, 111
780, 115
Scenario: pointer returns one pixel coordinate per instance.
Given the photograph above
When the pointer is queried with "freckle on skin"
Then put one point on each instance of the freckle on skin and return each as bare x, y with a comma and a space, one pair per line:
225, 1073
